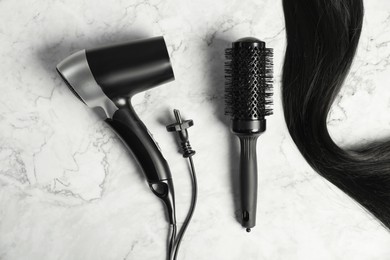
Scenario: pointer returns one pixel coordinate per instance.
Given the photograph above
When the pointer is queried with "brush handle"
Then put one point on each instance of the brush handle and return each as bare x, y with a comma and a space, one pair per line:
248, 180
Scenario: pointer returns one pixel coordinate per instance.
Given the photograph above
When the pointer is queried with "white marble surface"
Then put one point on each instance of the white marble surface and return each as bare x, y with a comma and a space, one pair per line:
69, 189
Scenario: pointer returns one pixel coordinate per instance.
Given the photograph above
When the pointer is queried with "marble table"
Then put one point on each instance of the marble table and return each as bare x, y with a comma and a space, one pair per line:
70, 190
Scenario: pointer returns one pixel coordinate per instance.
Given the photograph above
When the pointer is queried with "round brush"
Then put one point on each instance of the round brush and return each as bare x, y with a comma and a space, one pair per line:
248, 93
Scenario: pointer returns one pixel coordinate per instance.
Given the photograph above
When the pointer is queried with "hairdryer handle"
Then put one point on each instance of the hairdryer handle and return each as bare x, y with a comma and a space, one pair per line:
137, 138
248, 180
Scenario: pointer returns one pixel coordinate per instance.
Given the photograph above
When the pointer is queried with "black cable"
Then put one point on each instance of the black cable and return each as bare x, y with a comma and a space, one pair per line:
180, 127
190, 211
172, 237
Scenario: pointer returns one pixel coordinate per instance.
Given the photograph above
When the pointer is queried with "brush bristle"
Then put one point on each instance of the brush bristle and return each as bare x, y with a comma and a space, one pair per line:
249, 79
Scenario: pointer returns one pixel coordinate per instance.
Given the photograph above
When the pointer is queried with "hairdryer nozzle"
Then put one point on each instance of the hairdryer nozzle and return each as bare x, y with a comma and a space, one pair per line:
75, 71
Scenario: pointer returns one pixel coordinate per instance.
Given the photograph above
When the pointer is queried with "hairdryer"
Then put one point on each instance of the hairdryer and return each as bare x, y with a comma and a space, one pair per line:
107, 78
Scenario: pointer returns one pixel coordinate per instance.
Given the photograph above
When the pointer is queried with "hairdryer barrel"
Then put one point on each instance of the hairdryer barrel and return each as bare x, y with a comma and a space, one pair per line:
117, 72
107, 78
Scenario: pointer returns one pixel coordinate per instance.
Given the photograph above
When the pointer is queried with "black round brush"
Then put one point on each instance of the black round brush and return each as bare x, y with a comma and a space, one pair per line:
248, 96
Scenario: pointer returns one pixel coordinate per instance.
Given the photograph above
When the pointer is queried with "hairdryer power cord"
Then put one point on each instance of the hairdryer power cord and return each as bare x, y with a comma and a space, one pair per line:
181, 128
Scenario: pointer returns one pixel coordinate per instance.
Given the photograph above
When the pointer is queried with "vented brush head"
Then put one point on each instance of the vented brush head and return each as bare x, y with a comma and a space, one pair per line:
249, 74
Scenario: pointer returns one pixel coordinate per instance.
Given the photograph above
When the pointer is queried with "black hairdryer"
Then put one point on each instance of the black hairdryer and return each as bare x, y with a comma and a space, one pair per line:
107, 78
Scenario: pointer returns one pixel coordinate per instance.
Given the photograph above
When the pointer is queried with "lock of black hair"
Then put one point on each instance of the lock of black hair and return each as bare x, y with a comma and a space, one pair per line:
322, 38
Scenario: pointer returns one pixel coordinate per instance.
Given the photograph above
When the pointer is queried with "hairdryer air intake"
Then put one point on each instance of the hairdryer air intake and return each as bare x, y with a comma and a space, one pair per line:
107, 78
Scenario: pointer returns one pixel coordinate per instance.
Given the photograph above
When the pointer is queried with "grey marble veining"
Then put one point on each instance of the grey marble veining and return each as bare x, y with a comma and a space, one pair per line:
70, 191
